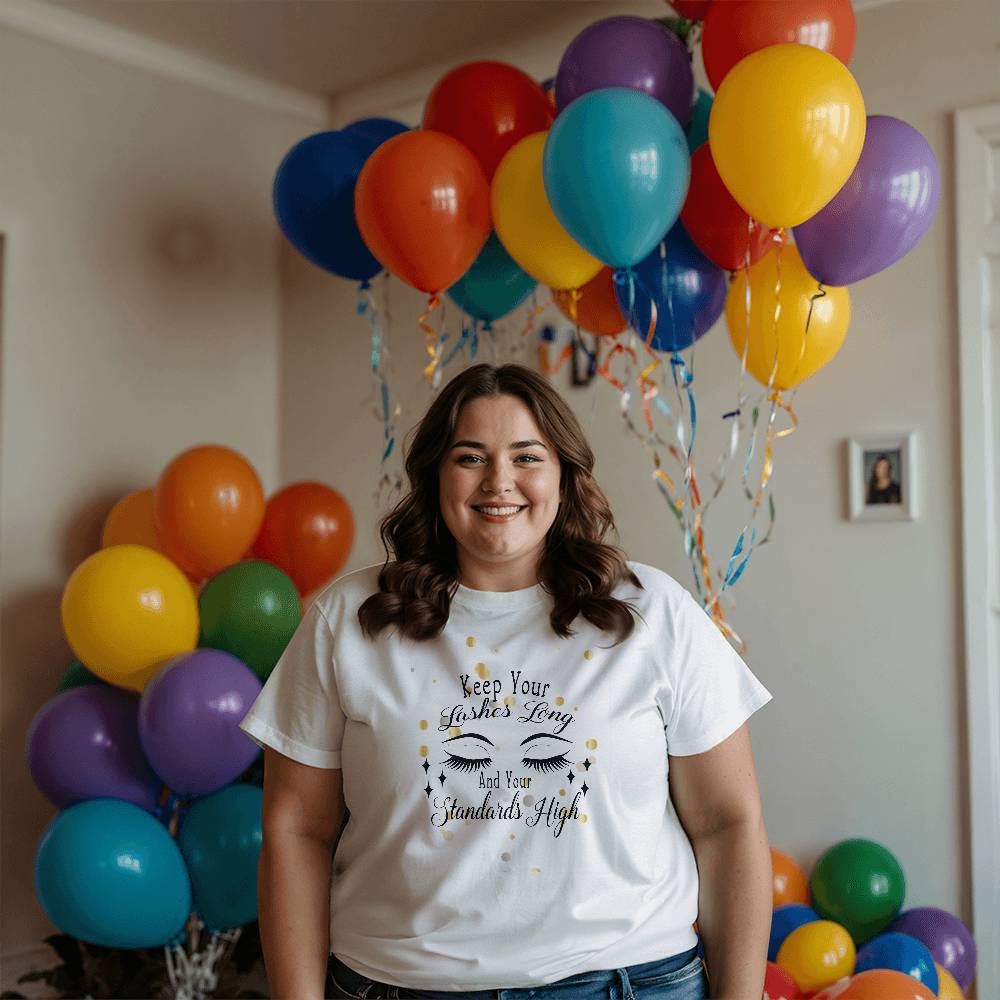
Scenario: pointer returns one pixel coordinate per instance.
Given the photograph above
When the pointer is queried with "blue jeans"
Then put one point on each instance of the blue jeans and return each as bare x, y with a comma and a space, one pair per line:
679, 977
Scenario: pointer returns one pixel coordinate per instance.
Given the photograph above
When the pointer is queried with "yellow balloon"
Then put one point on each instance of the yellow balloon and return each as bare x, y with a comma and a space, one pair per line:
131, 522
817, 954
527, 226
799, 354
125, 610
786, 130
948, 988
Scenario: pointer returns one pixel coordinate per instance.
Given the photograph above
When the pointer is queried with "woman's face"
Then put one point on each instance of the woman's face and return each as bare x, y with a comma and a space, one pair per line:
499, 459
883, 468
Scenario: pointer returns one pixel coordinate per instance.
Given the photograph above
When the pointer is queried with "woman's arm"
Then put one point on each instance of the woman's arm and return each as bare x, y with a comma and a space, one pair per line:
718, 802
303, 810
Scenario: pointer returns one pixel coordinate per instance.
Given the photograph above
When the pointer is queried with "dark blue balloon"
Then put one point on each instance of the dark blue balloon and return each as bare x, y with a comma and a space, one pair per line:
784, 920
376, 130
314, 202
688, 289
900, 952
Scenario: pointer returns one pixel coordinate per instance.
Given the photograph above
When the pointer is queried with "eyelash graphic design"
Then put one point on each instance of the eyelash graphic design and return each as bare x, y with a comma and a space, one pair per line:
465, 764
546, 765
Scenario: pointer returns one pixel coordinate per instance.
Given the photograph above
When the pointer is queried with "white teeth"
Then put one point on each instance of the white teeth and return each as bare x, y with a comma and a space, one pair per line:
498, 511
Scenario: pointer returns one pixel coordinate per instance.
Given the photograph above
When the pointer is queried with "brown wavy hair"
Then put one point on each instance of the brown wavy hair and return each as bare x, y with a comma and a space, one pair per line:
578, 568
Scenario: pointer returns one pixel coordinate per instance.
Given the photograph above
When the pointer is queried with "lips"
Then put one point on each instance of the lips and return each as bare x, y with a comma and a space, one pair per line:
495, 511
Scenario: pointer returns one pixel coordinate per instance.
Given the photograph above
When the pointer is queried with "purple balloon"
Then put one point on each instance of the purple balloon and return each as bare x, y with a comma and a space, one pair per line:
189, 718
880, 214
84, 744
628, 52
949, 940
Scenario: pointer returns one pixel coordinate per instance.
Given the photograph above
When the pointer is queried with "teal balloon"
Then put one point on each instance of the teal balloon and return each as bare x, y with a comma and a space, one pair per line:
493, 286
616, 168
251, 609
110, 874
697, 129
77, 675
220, 839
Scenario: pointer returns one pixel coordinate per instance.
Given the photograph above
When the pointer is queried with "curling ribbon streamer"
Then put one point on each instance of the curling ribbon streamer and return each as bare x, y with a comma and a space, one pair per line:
433, 301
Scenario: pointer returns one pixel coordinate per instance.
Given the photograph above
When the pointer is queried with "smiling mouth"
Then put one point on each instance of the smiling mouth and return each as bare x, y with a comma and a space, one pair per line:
493, 512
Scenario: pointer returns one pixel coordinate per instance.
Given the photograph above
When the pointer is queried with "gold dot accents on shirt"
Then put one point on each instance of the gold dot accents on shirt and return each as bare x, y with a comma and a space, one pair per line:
470, 641
424, 723
482, 671
588, 654
591, 744
423, 751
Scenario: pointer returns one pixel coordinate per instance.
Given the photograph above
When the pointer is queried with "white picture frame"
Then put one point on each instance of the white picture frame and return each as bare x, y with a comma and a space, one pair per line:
882, 477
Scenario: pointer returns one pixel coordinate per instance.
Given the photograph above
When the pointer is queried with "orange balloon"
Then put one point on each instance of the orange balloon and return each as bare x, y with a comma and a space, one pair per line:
209, 507
422, 205
131, 522
790, 882
308, 532
885, 984
597, 308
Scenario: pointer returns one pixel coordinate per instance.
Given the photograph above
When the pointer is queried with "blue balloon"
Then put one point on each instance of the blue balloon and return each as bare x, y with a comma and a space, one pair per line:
902, 953
784, 920
616, 169
220, 839
697, 129
376, 130
494, 284
108, 873
688, 289
314, 202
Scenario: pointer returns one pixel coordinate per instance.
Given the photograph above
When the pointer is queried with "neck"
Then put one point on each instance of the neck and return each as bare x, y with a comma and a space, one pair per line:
510, 574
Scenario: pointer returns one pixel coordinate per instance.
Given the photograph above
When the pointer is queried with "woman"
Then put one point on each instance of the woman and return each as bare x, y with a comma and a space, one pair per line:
496, 706
882, 488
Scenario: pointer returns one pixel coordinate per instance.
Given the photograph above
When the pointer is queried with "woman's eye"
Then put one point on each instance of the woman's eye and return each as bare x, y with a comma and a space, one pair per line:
546, 764
465, 764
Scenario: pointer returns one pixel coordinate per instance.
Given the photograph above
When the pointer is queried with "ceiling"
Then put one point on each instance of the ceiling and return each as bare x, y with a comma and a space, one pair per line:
326, 47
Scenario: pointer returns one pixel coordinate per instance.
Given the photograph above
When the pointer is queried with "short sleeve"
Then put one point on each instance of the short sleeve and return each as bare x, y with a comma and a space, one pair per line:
298, 711
714, 691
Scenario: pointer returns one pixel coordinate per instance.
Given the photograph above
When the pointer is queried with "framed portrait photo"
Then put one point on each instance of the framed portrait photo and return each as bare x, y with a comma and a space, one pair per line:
882, 477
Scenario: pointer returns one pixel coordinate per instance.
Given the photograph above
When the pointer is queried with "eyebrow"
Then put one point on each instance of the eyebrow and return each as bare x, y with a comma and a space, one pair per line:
514, 445
524, 742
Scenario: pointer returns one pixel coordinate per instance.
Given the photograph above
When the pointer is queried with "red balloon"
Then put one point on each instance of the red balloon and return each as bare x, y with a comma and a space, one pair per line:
308, 532
489, 107
597, 309
423, 207
693, 10
716, 223
779, 985
736, 28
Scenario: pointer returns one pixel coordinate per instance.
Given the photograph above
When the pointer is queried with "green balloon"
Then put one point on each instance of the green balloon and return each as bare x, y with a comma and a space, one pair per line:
250, 609
860, 885
77, 675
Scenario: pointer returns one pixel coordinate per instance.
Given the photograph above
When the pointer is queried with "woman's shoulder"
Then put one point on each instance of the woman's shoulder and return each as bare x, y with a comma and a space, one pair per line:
656, 583
346, 593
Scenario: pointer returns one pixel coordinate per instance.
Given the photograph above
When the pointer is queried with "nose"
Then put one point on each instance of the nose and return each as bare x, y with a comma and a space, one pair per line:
496, 480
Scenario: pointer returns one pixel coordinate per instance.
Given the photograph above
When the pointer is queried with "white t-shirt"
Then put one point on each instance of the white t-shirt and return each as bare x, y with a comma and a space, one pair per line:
510, 817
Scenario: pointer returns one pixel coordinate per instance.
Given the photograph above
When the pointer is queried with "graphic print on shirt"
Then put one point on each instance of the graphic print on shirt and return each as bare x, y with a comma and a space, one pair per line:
508, 752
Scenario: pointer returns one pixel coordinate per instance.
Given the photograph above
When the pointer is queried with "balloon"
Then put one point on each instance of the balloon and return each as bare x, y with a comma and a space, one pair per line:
422, 204
308, 532
948, 988
84, 744
697, 128
209, 509
189, 719
131, 522
949, 940
76, 675
375, 131
800, 354
860, 884
125, 610
779, 985
493, 286
786, 130
693, 10
108, 873
527, 226
616, 170
882, 984
220, 839
688, 289
790, 882
881, 213
597, 309
719, 227
250, 609
817, 954
488, 107
833, 991
626, 51
902, 953
313, 197
785, 919
736, 28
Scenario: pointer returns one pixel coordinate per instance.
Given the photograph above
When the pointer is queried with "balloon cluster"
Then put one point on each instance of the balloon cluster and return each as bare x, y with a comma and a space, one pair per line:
176, 622
842, 933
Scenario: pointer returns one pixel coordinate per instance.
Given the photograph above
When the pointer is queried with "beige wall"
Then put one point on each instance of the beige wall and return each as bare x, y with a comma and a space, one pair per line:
141, 309
854, 627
